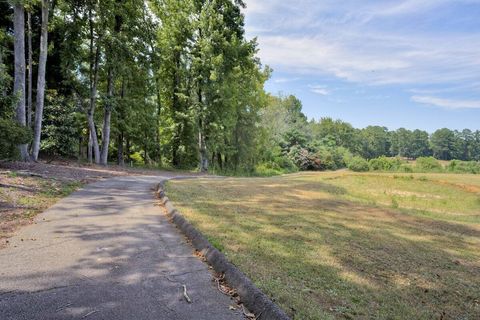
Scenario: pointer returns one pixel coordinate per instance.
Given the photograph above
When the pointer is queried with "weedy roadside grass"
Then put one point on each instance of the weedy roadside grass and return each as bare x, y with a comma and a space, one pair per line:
23, 197
344, 245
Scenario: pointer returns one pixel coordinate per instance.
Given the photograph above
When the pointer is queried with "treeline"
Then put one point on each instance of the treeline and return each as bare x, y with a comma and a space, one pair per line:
375, 141
291, 142
170, 83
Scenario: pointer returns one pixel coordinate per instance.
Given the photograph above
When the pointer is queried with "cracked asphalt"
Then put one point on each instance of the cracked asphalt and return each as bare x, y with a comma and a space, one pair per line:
107, 252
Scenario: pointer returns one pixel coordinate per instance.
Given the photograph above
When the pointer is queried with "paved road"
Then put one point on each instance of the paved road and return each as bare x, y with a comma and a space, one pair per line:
106, 252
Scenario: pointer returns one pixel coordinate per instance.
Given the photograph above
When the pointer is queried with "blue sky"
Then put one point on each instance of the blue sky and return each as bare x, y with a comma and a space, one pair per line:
403, 63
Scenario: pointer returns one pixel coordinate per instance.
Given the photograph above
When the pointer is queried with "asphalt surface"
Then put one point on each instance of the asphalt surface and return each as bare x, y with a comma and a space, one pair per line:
107, 252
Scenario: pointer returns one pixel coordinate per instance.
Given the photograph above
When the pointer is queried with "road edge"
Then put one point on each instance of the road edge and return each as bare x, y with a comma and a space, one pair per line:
252, 297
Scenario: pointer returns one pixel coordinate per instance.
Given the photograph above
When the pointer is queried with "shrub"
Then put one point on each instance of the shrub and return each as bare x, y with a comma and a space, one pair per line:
358, 164
304, 159
428, 164
458, 166
405, 168
268, 169
137, 158
385, 164
342, 155
11, 135
326, 159
285, 164
332, 158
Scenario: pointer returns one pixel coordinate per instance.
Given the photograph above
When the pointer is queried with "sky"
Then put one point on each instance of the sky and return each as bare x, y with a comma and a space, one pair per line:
403, 63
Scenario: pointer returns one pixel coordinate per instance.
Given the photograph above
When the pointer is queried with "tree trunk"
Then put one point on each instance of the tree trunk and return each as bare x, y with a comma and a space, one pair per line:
236, 158
121, 135
89, 148
93, 137
94, 60
220, 162
176, 108
120, 159
127, 153
42, 64
203, 149
30, 70
80, 143
159, 110
19, 59
106, 119
2, 70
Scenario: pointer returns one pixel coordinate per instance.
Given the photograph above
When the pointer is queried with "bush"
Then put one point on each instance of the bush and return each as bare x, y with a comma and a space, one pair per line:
268, 169
458, 166
285, 164
342, 155
358, 164
325, 159
137, 158
428, 164
385, 164
321, 158
304, 159
405, 168
332, 158
11, 135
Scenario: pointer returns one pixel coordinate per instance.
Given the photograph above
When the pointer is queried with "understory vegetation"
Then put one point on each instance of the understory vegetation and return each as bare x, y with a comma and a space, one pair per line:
348, 245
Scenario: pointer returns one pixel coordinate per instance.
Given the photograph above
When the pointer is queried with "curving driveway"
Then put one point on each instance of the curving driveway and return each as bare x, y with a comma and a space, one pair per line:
107, 252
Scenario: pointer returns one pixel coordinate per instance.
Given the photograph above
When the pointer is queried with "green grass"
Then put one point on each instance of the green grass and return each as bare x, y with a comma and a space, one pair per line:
346, 245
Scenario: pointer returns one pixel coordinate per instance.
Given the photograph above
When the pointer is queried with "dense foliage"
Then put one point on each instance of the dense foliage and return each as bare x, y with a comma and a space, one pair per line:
176, 83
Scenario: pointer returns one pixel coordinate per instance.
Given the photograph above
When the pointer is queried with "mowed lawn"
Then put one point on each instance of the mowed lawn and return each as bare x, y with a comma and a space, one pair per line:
344, 245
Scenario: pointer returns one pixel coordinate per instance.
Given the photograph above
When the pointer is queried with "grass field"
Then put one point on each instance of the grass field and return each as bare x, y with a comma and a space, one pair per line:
342, 245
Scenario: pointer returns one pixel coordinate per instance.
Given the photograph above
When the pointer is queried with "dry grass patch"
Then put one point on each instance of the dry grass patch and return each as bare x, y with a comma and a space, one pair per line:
332, 245
23, 197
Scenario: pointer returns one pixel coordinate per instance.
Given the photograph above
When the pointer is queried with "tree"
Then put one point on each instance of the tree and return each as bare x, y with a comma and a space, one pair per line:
475, 146
375, 142
401, 143
42, 63
30, 70
420, 146
174, 82
336, 132
19, 82
444, 144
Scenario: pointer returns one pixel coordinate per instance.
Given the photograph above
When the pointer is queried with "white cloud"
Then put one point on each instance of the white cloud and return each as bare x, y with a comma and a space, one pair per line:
447, 103
257, 7
376, 58
338, 38
285, 80
384, 42
318, 89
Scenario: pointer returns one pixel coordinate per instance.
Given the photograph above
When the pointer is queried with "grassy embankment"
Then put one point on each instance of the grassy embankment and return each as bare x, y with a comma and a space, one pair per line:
23, 197
348, 245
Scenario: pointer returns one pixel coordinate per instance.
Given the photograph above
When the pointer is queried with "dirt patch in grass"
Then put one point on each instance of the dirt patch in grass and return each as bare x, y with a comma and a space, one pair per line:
73, 171
23, 197
323, 246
